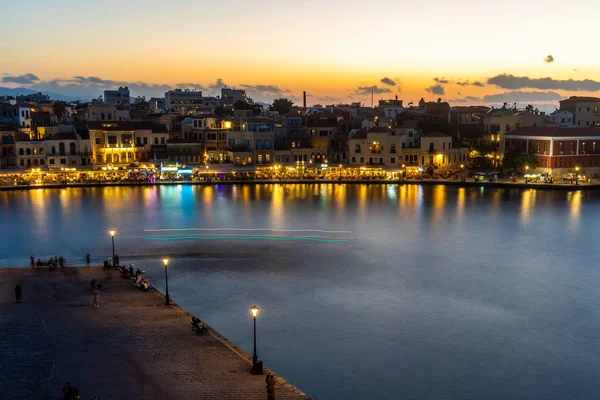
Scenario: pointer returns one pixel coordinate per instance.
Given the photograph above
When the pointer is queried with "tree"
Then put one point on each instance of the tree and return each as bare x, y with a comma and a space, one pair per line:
281, 105
520, 161
529, 108
222, 111
60, 109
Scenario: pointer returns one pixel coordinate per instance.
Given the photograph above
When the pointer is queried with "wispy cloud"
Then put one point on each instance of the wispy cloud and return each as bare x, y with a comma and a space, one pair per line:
469, 83
443, 81
25, 79
506, 81
387, 81
436, 89
367, 90
549, 59
512, 97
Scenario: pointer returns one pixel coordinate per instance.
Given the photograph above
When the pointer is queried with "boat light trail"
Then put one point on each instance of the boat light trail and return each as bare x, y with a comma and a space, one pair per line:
243, 230
226, 237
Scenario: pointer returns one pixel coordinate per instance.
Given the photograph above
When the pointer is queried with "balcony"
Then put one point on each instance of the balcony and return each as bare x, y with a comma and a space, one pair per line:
430, 151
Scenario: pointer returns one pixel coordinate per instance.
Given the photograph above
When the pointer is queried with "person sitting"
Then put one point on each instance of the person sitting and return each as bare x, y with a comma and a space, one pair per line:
198, 326
38, 263
145, 285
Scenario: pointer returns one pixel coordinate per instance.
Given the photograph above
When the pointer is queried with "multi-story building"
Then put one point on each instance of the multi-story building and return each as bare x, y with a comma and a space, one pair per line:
436, 153
114, 143
120, 97
558, 151
186, 102
107, 112
498, 122
322, 124
251, 147
7, 148
378, 146
473, 115
231, 96
31, 153
391, 108
563, 118
18, 115
586, 110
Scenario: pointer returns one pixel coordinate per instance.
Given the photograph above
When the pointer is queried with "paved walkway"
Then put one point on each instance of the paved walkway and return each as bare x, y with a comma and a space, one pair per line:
131, 347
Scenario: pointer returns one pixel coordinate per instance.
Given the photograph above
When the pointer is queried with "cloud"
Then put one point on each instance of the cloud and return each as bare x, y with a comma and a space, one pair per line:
367, 90
388, 81
520, 97
549, 59
217, 86
443, 81
436, 89
473, 98
506, 81
265, 89
26, 79
469, 83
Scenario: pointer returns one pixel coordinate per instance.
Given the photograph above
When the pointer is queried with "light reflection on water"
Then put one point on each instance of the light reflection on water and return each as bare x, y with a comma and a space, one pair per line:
443, 293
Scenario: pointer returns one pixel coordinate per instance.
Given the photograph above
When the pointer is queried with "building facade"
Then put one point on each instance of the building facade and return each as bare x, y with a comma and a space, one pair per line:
586, 110
118, 97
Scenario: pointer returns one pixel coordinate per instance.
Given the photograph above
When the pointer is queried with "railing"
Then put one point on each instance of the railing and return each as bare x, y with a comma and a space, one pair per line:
432, 151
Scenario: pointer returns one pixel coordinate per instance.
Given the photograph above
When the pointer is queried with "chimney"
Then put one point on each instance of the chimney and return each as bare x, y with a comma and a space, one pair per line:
396, 97
304, 97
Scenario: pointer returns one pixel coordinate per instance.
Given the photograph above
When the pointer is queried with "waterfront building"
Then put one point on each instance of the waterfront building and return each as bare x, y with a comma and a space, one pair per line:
586, 110
7, 147
114, 143
501, 121
66, 149
30, 153
119, 97
378, 146
558, 151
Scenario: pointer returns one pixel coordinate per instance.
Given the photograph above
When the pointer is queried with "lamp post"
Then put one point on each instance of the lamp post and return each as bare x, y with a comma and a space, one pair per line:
576, 175
462, 168
254, 311
167, 301
526, 173
112, 233
403, 172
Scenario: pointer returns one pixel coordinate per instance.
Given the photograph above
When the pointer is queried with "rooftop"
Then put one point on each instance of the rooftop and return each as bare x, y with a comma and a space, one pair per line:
580, 98
555, 132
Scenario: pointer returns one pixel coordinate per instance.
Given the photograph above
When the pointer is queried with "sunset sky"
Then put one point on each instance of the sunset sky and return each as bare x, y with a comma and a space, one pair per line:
480, 52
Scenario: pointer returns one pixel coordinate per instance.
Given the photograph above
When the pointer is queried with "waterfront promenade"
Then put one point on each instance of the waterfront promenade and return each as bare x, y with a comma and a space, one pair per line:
501, 183
131, 347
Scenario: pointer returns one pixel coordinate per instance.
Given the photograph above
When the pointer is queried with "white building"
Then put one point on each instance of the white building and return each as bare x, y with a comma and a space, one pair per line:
586, 110
107, 112
117, 97
185, 101
563, 118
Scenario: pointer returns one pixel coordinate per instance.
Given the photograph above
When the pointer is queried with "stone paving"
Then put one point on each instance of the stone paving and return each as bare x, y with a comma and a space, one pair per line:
131, 347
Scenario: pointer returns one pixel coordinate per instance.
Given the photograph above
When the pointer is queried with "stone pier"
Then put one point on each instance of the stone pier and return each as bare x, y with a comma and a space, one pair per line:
131, 347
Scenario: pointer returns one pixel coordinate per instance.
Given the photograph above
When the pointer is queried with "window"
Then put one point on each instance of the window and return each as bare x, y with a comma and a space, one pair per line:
138, 141
97, 140
583, 147
393, 148
593, 147
393, 160
72, 148
357, 150
53, 150
102, 116
127, 139
21, 152
561, 147
572, 147
130, 155
545, 147
588, 109
145, 141
155, 140
507, 128
362, 160
537, 147
353, 159
22, 163
293, 145
162, 140
42, 162
112, 140
443, 146
63, 161
52, 161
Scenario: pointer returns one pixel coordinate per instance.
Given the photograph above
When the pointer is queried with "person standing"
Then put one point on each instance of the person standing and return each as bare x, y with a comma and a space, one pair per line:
18, 293
88, 257
95, 291
32, 261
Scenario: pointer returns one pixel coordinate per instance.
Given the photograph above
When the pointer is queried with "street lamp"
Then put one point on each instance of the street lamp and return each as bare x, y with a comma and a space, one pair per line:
462, 168
576, 175
167, 301
403, 171
112, 233
255, 366
526, 173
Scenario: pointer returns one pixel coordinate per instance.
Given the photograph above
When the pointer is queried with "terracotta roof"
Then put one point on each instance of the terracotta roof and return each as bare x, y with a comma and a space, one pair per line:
579, 98
381, 129
111, 126
362, 134
470, 109
435, 134
555, 132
